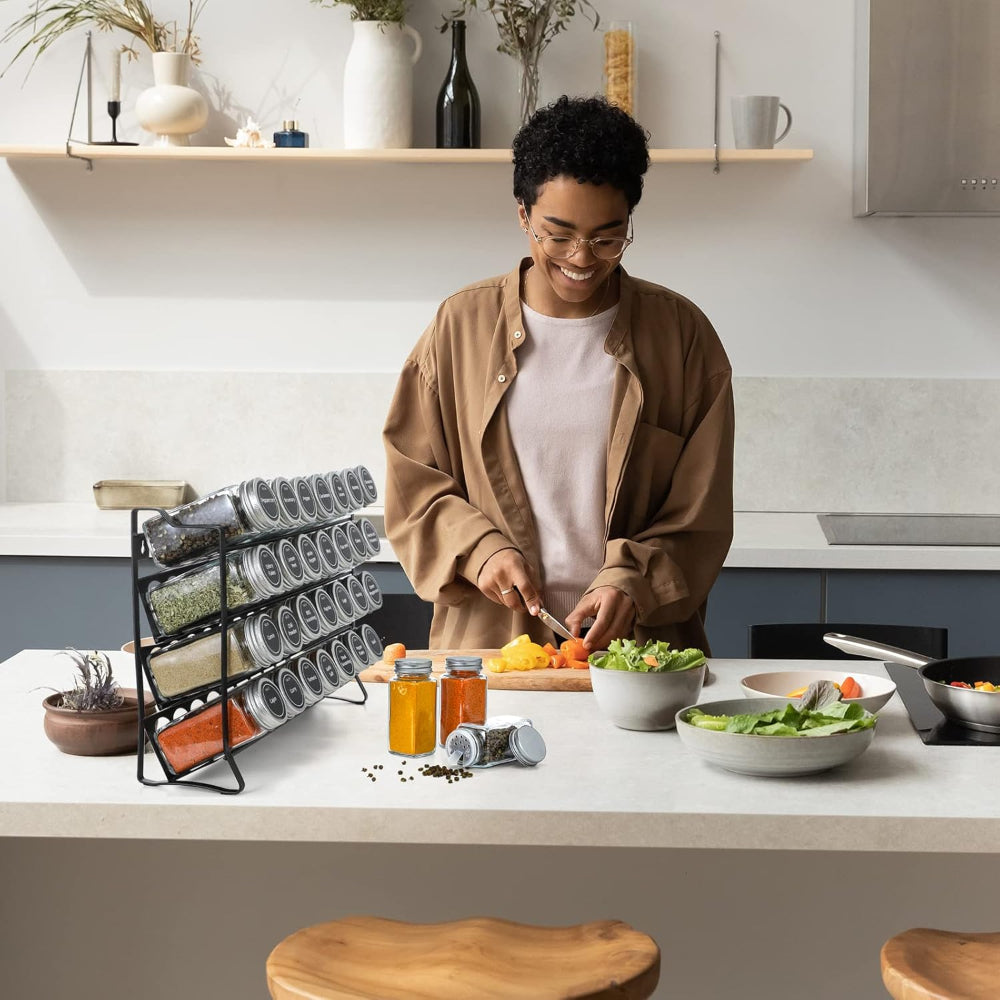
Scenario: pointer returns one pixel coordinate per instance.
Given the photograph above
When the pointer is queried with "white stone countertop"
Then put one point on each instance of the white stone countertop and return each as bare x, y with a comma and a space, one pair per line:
772, 540
598, 786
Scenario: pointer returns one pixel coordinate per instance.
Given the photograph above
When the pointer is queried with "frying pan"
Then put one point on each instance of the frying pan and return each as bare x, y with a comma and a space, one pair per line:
974, 709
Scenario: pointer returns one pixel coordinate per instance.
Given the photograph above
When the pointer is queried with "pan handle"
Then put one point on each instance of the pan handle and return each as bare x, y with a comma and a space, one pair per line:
876, 650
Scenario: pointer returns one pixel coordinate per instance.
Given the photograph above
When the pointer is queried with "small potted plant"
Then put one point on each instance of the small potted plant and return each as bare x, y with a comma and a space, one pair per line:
96, 717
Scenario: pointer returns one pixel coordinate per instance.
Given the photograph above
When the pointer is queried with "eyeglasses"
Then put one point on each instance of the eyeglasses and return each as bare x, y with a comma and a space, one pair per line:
561, 247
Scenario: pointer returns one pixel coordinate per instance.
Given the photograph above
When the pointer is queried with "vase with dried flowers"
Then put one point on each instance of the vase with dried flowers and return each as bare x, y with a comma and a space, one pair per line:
378, 74
526, 27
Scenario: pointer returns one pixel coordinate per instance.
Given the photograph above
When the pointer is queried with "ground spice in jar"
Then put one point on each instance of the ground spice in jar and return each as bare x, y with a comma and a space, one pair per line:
496, 745
412, 704
198, 736
463, 694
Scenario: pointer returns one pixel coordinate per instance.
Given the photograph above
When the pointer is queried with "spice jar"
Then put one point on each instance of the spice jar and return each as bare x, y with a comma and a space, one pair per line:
341, 498
291, 691
325, 507
327, 551
355, 490
359, 549
373, 544
290, 563
288, 502
344, 548
463, 694
329, 620
327, 667
306, 497
309, 557
342, 598
368, 488
289, 630
412, 701
373, 644
305, 611
253, 642
190, 597
244, 509
342, 657
504, 739
310, 679
358, 651
372, 589
358, 597
620, 77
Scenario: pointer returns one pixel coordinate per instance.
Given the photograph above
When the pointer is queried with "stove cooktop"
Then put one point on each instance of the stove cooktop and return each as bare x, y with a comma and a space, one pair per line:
931, 726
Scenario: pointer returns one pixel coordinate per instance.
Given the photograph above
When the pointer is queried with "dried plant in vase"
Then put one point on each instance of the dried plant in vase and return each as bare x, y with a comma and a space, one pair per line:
46, 21
95, 690
526, 27
369, 10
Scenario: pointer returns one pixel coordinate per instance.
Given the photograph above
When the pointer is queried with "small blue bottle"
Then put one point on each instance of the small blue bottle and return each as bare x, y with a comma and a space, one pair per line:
290, 136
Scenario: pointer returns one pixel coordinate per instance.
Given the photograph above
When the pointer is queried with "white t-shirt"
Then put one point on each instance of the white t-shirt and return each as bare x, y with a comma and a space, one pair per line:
558, 410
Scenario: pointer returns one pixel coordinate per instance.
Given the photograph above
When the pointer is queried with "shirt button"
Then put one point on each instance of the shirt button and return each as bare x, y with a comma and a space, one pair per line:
501, 378
517, 334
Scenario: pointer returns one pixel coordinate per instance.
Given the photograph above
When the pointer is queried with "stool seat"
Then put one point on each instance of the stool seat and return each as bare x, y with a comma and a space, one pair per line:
371, 958
925, 964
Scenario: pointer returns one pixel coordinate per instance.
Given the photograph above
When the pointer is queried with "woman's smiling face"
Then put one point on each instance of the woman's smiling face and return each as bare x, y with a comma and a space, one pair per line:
577, 285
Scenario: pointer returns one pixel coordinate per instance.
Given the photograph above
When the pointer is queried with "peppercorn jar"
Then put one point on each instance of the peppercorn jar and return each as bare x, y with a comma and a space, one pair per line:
241, 510
288, 502
412, 703
310, 559
325, 506
463, 694
504, 739
192, 596
290, 563
307, 499
341, 498
367, 481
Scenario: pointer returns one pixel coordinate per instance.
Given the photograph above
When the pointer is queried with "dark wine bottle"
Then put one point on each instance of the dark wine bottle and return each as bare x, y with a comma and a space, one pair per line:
458, 101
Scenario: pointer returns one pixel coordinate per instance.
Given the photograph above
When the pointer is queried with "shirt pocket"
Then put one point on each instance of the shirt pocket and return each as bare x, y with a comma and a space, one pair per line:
651, 471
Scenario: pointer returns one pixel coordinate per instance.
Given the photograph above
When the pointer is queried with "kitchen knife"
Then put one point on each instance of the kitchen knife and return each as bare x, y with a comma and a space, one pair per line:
554, 624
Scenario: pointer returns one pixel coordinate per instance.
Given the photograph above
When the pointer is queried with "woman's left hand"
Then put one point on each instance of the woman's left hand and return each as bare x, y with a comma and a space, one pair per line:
613, 612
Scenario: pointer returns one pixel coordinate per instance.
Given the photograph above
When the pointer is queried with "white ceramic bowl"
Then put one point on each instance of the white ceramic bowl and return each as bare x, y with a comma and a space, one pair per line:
768, 756
632, 699
875, 691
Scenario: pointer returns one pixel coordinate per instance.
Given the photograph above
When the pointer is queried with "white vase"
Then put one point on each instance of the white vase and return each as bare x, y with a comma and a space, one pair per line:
378, 85
171, 109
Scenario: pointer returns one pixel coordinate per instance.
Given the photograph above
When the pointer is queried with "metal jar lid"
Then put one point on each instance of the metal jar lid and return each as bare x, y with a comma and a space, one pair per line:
262, 639
308, 618
358, 652
327, 667
288, 502
341, 498
358, 596
342, 598
372, 589
463, 746
373, 643
290, 563
310, 678
465, 664
306, 497
344, 548
527, 745
261, 569
413, 666
327, 551
288, 627
311, 562
263, 701
368, 486
325, 506
370, 534
291, 690
358, 546
326, 609
260, 505
354, 488
342, 657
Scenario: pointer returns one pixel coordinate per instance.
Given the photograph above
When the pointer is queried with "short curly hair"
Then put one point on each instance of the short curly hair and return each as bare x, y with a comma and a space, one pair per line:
582, 137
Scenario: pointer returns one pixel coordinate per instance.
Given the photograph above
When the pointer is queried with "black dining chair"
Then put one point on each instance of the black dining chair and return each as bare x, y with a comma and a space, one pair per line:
804, 640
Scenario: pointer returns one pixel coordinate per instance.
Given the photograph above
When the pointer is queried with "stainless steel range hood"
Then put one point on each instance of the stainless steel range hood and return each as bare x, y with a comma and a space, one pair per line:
927, 107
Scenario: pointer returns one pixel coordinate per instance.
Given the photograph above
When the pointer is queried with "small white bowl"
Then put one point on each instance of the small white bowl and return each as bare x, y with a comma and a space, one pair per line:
875, 691
632, 699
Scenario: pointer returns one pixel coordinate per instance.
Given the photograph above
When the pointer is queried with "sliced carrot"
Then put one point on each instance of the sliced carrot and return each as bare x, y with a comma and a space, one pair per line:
578, 664
557, 661
574, 649
850, 688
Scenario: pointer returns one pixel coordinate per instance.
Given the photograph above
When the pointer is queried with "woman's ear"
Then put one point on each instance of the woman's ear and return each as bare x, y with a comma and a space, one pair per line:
522, 216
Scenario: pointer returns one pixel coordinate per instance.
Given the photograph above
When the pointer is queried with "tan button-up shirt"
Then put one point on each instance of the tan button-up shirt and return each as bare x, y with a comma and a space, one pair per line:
454, 494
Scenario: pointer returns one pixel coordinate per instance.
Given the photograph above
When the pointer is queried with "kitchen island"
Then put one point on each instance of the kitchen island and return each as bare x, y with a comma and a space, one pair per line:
741, 880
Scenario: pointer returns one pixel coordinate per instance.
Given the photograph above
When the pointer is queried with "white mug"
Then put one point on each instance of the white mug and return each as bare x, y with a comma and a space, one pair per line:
755, 121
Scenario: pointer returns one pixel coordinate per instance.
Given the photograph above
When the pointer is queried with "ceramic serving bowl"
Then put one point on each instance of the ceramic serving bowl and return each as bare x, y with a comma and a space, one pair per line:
875, 691
768, 756
632, 699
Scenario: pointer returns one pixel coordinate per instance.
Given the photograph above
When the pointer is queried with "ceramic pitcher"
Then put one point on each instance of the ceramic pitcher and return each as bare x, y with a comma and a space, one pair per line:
378, 85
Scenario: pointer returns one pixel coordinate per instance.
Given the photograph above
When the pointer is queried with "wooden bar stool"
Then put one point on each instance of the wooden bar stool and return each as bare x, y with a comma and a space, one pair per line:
369, 958
924, 964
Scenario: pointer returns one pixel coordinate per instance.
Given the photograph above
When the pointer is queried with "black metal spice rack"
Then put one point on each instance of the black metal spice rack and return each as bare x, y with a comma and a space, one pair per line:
167, 707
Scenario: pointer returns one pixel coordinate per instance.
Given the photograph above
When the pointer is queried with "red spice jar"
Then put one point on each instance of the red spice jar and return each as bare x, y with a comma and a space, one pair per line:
463, 694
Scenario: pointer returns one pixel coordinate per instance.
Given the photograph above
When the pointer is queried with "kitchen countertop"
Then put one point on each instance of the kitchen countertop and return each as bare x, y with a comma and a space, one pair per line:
762, 540
598, 787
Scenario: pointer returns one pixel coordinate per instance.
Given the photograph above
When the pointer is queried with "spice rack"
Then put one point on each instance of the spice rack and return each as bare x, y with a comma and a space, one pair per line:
333, 649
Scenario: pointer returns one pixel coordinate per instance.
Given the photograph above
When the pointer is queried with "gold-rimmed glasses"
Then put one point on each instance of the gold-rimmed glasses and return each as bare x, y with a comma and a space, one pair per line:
563, 247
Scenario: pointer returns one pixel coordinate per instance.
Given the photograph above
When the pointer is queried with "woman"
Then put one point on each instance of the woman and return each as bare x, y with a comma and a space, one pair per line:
562, 435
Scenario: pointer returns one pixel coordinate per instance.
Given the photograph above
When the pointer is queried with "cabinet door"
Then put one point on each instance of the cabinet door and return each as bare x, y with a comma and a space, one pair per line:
965, 603
744, 597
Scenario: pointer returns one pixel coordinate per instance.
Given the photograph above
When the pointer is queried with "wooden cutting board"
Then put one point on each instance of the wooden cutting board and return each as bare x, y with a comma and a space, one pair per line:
511, 680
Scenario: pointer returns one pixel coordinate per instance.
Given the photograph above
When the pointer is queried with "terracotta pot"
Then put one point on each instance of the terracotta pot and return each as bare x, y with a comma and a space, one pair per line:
94, 734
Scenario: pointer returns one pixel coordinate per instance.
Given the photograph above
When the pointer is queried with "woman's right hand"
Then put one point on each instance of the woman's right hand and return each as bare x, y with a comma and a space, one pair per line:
507, 579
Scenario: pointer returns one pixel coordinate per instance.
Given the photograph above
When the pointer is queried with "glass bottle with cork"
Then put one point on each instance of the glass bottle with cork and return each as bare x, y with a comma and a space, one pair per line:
457, 114
463, 694
412, 703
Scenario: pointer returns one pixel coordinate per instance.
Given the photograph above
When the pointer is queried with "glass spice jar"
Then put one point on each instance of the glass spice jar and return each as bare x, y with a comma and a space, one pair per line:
325, 506
341, 498
356, 539
290, 563
373, 644
329, 620
359, 652
307, 499
504, 739
190, 597
253, 642
412, 701
327, 552
310, 559
463, 694
289, 630
342, 657
355, 490
308, 616
620, 76
344, 548
291, 691
368, 487
373, 544
288, 502
327, 667
342, 598
310, 679
244, 509
359, 597
372, 589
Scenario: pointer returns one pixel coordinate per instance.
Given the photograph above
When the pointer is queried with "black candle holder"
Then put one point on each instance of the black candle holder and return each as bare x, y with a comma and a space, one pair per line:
114, 110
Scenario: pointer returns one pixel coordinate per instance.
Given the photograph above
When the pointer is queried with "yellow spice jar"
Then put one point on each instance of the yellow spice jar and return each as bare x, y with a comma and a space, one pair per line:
412, 709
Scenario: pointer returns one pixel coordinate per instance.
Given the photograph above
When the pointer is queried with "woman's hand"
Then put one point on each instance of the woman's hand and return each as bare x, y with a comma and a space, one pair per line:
613, 612
506, 578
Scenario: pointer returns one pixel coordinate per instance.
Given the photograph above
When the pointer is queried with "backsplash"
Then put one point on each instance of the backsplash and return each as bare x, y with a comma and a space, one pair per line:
803, 444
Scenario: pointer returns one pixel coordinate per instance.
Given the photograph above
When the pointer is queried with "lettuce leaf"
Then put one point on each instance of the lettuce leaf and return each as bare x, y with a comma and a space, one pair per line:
837, 717
627, 654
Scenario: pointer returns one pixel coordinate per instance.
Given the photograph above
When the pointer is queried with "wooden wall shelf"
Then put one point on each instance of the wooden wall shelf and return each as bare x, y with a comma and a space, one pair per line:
430, 156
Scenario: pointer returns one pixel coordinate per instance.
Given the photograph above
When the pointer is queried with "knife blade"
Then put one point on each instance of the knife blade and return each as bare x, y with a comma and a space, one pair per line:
554, 624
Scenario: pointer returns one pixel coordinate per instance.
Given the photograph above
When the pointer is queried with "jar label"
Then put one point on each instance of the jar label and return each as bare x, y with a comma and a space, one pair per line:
310, 555
307, 502
272, 698
290, 556
372, 589
344, 548
269, 633
372, 642
328, 667
268, 501
340, 492
326, 608
290, 503
307, 614
270, 567
367, 484
372, 540
357, 541
358, 595
291, 688
290, 628
354, 487
344, 662
324, 496
344, 602
327, 551
309, 675
358, 650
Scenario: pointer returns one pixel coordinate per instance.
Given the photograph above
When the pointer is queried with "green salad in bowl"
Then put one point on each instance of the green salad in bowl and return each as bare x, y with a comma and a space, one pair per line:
653, 657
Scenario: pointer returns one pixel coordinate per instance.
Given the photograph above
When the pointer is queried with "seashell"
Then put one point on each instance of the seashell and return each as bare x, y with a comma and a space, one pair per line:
249, 137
